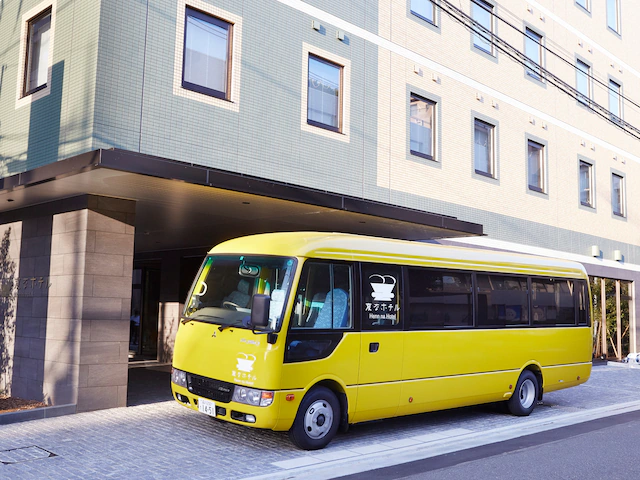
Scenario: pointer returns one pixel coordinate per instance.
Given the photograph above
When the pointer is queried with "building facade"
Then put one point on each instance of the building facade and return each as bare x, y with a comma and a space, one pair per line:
135, 135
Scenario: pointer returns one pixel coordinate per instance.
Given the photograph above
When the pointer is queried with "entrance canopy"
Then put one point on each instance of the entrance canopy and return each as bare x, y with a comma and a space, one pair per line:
181, 205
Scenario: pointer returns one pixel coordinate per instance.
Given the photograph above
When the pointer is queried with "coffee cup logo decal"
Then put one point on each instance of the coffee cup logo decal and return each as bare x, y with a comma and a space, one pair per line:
382, 286
245, 364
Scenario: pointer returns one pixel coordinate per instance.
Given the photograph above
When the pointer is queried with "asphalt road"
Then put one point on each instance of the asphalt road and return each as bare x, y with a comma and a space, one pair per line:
607, 448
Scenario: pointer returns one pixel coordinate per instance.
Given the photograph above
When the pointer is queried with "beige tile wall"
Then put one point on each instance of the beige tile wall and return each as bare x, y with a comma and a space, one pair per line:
451, 179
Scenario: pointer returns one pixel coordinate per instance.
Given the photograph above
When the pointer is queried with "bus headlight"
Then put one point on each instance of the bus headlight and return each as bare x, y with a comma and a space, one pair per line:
179, 377
251, 396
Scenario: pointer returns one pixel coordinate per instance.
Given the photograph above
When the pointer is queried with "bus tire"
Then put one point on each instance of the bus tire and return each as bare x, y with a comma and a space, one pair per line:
317, 419
525, 396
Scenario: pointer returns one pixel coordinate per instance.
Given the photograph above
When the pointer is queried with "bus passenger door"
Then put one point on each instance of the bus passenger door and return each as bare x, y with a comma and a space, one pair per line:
381, 342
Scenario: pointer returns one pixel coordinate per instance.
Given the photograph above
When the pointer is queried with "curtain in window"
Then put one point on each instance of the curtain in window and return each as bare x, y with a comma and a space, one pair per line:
39, 54
535, 166
482, 148
206, 54
324, 93
585, 184
482, 13
420, 126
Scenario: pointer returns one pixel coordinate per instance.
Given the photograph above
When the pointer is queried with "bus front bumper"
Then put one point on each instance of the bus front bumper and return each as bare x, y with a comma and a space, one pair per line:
277, 416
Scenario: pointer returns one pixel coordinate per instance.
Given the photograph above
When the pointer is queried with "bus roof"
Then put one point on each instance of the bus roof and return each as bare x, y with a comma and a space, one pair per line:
343, 246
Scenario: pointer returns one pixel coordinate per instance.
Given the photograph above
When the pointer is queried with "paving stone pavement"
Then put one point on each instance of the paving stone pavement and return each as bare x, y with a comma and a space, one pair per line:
166, 440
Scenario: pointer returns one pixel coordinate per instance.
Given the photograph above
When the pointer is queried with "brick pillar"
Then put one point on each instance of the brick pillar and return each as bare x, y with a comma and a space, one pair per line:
108, 266
71, 301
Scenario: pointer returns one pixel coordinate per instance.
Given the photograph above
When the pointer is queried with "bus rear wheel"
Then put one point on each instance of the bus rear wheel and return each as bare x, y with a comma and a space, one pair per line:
317, 419
525, 397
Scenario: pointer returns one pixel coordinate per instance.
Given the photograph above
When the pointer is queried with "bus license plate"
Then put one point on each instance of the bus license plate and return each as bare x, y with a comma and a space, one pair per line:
207, 406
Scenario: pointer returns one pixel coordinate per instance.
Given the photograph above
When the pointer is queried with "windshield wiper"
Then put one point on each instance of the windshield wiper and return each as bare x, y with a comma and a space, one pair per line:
237, 323
200, 317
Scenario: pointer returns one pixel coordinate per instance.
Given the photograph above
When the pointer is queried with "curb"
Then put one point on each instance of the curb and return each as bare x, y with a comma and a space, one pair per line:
458, 441
37, 413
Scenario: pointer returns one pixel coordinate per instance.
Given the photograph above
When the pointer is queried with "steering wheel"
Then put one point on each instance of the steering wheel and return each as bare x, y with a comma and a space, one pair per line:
230, 305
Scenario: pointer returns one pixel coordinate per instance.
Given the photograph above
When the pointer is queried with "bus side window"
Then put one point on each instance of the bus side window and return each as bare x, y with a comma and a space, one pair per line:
552, 301
439, 299
502, 301
324, 297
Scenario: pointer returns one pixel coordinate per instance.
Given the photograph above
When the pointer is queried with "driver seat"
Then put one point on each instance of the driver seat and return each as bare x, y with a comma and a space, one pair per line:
240, 296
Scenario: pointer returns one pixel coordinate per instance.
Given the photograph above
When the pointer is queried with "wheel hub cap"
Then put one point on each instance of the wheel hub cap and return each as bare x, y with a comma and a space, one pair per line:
318, 419
527, 393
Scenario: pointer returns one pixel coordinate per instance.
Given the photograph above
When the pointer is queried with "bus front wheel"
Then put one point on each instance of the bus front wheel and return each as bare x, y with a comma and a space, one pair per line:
317, 419
524, 399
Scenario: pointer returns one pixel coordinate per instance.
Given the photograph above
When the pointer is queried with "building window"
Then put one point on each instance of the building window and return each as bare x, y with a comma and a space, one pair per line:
617, 195
584, 4
207, 54
615, 101
483, 156
533, 51
482, 14
324, 94
536, 166
424, 9
613, 15
583, 82
586, 184
37, 61
421, 127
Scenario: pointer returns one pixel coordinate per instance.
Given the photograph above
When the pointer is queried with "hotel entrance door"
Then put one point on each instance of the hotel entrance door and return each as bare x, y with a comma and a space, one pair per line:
145, 298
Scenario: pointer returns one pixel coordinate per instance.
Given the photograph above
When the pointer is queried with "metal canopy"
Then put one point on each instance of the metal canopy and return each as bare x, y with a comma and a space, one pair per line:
181, 205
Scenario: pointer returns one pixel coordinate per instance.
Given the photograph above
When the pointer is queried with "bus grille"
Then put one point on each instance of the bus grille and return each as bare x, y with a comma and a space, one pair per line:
210, 388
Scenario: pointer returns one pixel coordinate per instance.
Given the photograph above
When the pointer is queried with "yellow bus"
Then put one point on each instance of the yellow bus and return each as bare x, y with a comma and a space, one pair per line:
312, 332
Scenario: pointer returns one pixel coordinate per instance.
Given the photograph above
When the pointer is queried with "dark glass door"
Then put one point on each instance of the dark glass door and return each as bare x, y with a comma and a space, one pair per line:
145, 298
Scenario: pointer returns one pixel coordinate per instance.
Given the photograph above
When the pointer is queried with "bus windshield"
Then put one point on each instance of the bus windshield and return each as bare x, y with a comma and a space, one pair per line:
226, 284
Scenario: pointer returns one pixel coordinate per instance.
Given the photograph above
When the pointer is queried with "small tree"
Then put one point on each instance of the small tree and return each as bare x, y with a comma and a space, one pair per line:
611, 314
7, 308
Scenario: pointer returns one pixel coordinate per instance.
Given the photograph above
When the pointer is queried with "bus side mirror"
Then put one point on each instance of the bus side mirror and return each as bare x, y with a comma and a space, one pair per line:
260, 311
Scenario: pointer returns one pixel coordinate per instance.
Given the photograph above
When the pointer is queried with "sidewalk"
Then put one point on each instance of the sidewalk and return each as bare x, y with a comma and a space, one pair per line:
163, 440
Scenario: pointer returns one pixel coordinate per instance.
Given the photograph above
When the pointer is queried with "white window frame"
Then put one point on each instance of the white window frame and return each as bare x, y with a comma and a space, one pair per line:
618, 96
623, 207
533, 71
491, 9
542, 164
590, 202
220, 23
340, 71
492, 150
617, 16
417, 14
24, 98
232, 102
434, 116
345, 103
586, 6
579, 72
